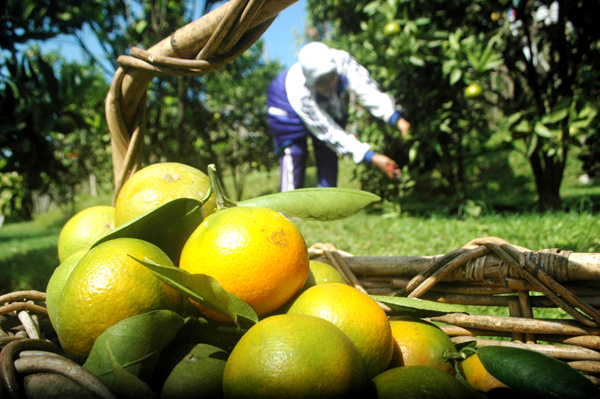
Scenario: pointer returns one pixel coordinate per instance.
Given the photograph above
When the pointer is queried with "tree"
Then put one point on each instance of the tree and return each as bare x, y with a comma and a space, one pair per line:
34, 103
442, 48
550, 48
237, 95
424, 67
54, 129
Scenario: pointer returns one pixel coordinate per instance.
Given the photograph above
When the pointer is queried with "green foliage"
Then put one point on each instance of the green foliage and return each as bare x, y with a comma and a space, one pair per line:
12, 195
34, 20
131, 348
50, 110
237, 94
425, 67
535, 375
417, 307
441, 50
54, 131
168, 226
205, 290
319, 204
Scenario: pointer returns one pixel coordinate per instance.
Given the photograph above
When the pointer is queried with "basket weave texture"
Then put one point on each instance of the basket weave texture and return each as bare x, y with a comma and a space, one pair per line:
195, 49
491, 272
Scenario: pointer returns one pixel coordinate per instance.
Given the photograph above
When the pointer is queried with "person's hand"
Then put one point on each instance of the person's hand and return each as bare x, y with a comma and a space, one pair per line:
387, 165
403, 126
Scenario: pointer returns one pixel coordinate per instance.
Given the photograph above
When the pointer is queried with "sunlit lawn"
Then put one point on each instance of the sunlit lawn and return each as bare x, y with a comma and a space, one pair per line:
28, 252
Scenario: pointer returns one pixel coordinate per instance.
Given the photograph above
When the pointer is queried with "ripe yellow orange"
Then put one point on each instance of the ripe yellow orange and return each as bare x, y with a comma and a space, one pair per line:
294, 356
418, 382
108, 286
356, 314
84, 229
57, 282
255, 253
157, 184
420, 343
478, 376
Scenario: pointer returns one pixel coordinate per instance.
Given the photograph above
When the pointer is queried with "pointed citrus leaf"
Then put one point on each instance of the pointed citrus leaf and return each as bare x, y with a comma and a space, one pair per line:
168, 226
204, 290
541, 130
125, 384
136, 343
532, 145
555, 117
321, 204
534, 374
418, 307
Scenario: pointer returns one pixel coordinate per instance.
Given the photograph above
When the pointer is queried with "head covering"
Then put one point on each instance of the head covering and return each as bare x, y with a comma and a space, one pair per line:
316, 60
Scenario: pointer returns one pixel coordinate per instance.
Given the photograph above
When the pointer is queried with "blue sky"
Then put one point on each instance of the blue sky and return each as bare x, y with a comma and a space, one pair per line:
281, 39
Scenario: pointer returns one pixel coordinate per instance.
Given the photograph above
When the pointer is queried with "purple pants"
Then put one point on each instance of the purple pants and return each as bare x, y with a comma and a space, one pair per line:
293, 165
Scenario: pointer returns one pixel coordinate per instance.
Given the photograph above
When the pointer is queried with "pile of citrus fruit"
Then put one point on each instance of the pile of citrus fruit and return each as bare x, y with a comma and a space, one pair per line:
193, 295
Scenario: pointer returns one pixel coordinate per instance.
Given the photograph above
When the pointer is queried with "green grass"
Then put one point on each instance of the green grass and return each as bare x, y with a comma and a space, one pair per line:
28, 251
379, 234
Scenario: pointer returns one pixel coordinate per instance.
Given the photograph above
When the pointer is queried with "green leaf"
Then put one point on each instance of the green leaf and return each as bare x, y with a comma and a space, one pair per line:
371, 8
322, 204
512, 119
582, 124
466, 347
418, 307
455, 76
141, 26
168, 226
492, 64
541, 130
28, 10
204, 290
523, 127
532, 145
136, 343
416, 61
413, 152
474, 61
556, 116
125, 384
65, 16
588, 112
453, 41
534, 374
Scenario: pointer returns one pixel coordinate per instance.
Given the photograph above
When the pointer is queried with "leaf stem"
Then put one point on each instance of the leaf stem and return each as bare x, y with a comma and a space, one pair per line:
222, 200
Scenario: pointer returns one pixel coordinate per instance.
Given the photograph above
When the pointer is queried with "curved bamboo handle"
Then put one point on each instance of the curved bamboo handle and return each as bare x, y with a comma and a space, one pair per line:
213, 35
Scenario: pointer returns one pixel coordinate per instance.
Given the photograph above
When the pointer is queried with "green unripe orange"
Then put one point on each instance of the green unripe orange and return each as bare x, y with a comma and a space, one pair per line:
473, 91
391, 28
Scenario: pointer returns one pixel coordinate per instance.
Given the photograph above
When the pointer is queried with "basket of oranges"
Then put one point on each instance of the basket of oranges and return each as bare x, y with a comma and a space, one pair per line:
177, 291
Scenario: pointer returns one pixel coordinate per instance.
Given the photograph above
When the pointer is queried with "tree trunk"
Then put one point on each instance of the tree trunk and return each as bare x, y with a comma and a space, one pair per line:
93, 185
548, 172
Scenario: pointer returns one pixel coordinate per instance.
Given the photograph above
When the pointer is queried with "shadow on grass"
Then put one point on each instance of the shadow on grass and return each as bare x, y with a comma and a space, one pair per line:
28, 271
25, 235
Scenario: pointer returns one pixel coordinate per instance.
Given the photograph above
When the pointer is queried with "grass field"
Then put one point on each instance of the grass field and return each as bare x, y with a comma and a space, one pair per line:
28, 250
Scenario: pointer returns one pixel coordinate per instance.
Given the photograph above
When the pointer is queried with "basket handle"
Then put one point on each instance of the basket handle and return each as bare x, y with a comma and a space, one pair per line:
195, 49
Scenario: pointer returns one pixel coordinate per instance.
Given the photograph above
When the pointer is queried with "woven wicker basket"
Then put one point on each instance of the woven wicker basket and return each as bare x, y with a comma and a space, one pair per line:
491, 272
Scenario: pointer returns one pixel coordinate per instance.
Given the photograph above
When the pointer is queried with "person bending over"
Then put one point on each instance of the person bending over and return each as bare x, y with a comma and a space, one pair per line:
311, 98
